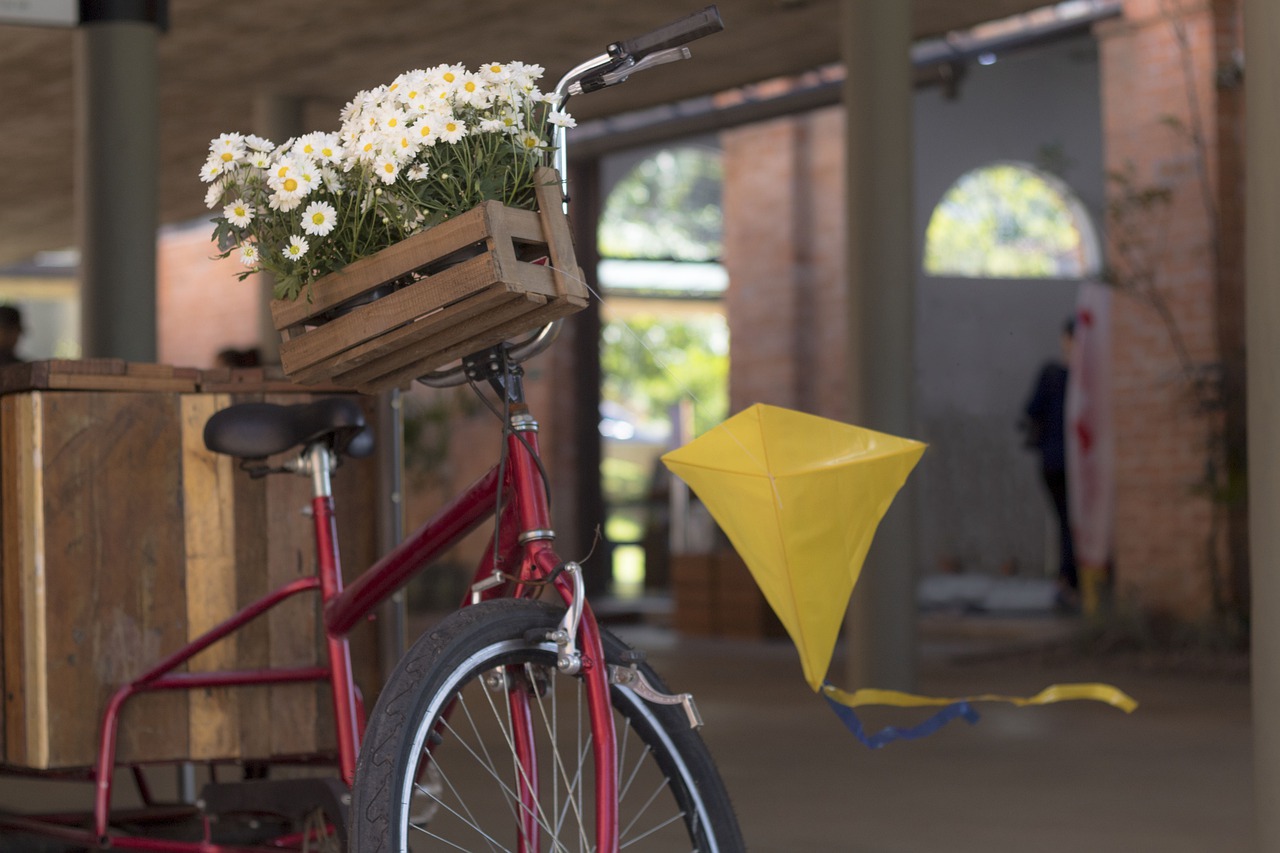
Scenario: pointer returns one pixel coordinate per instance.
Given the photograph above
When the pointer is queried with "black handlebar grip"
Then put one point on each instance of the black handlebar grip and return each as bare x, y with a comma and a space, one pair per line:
676, 33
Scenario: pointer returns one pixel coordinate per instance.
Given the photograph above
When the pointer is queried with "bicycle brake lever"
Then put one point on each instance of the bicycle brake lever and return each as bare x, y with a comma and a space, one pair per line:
624, 68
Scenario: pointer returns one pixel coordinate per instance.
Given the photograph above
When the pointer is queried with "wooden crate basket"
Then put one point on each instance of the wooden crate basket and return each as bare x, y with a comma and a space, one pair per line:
517, 272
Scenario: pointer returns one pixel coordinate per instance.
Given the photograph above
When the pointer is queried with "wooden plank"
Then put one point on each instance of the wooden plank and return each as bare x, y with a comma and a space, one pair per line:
364, 341
295, 638
391, 263
252, 582
93, 382
418, 342
492, 336
26, 692
111, 468
555, 228
211, 593
421, 299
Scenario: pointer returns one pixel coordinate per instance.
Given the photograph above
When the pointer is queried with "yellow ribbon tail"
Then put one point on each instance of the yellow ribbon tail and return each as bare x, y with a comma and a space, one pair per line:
1091, 692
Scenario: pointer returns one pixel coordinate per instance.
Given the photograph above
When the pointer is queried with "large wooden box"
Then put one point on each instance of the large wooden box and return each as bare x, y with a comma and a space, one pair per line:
122, 539
471, 282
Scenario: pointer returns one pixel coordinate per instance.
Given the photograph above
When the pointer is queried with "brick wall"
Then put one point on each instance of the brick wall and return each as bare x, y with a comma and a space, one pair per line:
201, 308
1170, 538
784, 220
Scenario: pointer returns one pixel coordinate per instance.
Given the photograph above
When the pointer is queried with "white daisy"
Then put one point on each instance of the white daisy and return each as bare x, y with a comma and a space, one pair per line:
560, 118
331, 179
472, 90
258, 143
284, 201
297, 248
495, 72
529, 141
418, 172
239, 213
213, 196
387, 169
319, 218
212, 169
249, 254
452, 130
228, 147
447, 76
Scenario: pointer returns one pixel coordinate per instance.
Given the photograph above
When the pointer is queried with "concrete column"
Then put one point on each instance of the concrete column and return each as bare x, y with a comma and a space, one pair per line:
117, 144
876, 43
1262, 295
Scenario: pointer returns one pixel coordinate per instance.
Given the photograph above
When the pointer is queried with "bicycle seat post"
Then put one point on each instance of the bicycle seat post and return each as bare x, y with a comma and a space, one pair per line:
317, 461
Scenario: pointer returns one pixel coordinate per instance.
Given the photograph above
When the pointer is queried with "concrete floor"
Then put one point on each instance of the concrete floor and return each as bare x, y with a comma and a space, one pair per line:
1175, 776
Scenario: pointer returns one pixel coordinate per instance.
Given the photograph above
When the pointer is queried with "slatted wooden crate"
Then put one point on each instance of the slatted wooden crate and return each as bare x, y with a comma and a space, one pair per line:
123, 538
471, 282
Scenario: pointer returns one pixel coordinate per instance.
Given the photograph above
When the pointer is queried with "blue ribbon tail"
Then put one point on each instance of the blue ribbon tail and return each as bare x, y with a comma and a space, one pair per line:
958, 710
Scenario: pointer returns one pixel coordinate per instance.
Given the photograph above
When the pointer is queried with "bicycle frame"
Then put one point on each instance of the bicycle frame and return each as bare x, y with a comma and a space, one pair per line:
518, 563
521, 562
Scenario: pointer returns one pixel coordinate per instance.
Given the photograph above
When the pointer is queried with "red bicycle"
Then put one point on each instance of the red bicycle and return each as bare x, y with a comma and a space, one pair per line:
517, 723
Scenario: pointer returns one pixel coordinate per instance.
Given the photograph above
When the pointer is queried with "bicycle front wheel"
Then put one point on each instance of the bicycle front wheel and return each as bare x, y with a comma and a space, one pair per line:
440, 769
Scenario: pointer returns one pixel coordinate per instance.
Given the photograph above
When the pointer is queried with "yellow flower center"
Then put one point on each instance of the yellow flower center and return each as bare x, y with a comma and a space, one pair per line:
290, 185
392, 122
449, 77
318, 217
388, 168
284, 170
470, 86
227, 156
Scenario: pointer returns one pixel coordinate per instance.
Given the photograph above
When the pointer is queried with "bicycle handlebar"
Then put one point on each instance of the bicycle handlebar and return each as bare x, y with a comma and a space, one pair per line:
623, 59
674, 34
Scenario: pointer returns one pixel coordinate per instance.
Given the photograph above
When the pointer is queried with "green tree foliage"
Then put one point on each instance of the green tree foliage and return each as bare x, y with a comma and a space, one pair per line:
667, 208
650, 363
1004, 221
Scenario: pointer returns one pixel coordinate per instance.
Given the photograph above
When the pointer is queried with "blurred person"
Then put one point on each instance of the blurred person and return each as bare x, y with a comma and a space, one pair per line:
1045, 431
10, 333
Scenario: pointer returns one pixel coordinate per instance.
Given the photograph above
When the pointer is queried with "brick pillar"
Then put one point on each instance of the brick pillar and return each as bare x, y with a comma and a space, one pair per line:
1178, 326
784, 244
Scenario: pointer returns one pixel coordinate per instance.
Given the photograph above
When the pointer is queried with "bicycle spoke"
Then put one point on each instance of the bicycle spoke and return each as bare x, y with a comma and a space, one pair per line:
488, 698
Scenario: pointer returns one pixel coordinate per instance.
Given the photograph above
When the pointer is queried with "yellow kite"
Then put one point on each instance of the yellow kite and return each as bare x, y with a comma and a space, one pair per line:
800, 498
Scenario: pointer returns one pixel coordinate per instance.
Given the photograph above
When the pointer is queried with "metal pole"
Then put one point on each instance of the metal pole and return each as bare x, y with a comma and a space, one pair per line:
117, 151
876, 46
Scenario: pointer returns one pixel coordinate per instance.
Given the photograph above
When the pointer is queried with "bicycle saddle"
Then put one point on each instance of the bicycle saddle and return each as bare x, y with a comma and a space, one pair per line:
259, 430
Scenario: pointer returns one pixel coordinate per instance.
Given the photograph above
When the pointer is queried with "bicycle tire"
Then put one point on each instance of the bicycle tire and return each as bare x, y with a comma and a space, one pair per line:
449, 665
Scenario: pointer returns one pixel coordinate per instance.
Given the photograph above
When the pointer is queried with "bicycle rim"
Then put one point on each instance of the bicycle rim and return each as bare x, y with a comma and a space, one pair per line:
443, 772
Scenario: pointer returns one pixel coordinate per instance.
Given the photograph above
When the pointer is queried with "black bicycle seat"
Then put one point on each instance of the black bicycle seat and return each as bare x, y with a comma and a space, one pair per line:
259, 430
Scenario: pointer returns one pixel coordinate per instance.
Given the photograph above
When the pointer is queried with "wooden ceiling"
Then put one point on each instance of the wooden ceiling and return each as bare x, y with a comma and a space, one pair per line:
219, 57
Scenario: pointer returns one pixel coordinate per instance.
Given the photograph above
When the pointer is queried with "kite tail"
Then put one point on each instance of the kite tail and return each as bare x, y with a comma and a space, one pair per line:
961, 710
843, 704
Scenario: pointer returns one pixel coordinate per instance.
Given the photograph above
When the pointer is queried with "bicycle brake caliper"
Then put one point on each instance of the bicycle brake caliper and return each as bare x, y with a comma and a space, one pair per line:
633, 679
569, 659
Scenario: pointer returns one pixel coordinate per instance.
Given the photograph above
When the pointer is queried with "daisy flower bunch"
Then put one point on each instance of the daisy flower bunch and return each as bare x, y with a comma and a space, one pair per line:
429, 145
